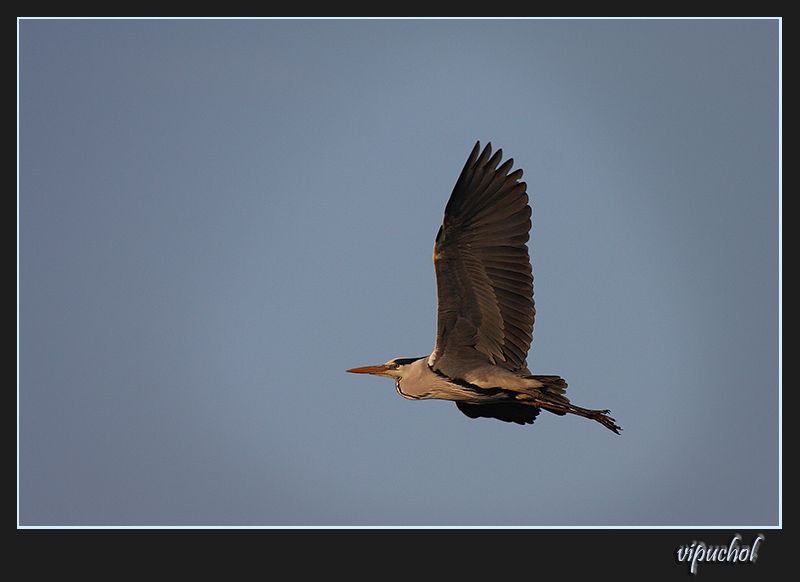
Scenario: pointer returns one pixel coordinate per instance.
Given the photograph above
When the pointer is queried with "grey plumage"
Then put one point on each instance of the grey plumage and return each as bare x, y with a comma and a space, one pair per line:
485, 306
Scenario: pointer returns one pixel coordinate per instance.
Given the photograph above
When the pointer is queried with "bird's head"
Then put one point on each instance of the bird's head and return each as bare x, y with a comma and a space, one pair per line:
396, 368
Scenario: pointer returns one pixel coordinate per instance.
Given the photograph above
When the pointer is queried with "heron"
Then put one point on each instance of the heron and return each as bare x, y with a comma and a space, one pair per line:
485, 307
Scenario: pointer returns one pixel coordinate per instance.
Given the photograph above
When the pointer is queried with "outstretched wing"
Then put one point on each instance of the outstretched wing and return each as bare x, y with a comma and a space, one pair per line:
483, 271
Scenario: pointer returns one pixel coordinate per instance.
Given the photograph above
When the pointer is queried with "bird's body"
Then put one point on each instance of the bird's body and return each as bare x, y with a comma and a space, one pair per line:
485, 306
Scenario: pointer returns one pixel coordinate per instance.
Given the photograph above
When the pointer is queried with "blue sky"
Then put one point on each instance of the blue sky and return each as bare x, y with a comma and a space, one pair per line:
218, 217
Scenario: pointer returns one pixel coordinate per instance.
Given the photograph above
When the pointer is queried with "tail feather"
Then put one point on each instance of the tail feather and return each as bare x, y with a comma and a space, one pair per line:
551, 384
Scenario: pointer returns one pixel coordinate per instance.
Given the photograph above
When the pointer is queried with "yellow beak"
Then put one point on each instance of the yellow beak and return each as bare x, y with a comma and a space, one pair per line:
377, 370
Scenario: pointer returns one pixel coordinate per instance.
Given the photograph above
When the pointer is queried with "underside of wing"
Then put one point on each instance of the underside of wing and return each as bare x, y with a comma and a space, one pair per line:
483, 271
506, 411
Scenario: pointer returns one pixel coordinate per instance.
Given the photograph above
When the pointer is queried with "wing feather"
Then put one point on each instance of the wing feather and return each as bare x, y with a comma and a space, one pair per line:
483, 272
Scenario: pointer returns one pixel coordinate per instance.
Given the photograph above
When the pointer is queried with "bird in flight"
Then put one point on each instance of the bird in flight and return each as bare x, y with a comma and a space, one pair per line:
485, 315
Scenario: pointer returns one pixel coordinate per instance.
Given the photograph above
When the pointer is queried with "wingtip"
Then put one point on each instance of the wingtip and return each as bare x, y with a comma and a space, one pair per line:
486, 151
476, 150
